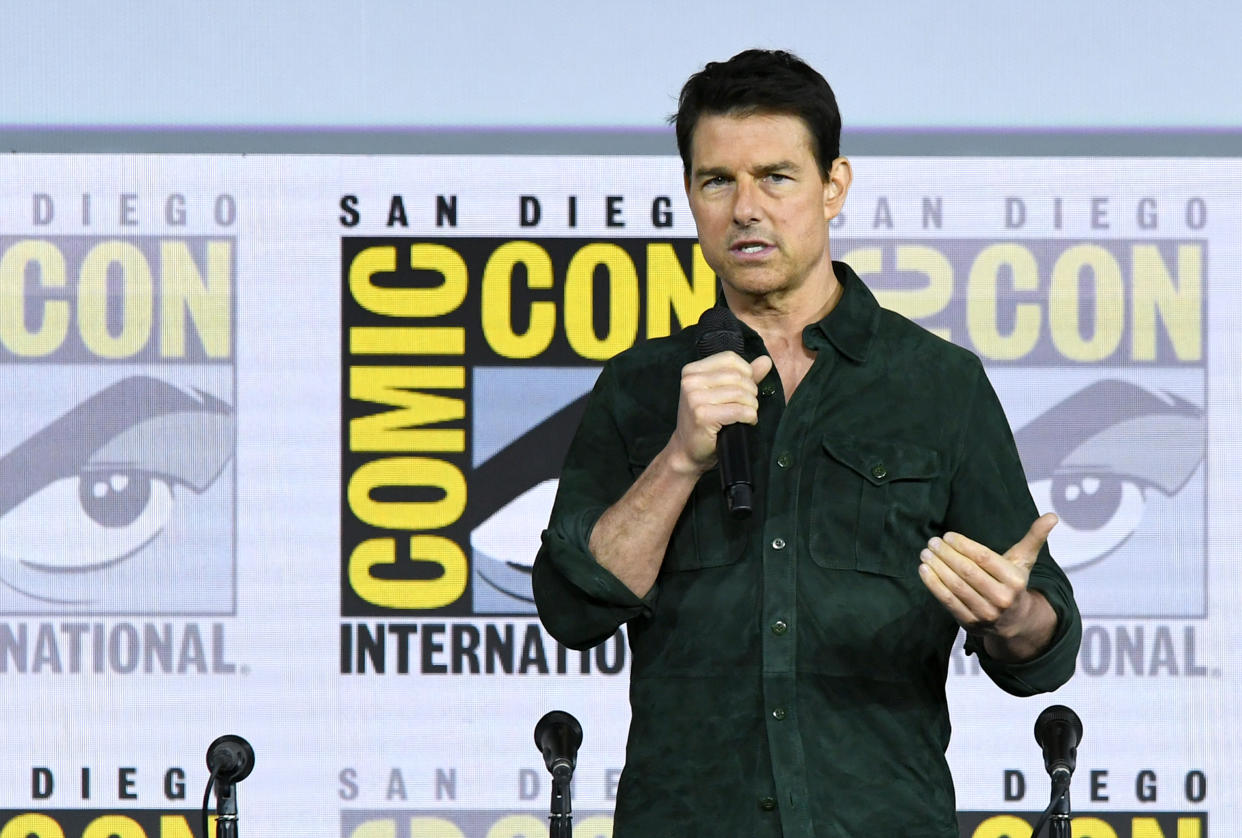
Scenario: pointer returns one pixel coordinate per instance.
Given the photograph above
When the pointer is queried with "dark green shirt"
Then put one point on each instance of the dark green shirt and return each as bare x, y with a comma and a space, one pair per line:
788, 671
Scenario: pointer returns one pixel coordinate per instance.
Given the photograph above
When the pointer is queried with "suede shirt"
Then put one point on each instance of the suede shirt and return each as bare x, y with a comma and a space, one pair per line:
788, 670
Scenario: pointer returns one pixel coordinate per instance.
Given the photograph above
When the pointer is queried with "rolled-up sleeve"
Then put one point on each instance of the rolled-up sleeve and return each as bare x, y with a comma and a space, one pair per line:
580, 602
991, 503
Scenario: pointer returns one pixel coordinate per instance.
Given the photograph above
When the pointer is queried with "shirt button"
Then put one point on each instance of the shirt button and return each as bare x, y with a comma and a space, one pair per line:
784, 460
779, 714
767, 388
780, 627
778, 544
767, 804
878, 471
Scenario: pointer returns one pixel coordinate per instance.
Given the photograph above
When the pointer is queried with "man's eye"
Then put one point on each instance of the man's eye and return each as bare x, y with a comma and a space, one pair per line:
1098, 513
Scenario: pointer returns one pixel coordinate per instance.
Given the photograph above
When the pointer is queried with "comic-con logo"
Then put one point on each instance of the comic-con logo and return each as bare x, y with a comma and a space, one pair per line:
116, 478
464, 362
467, 362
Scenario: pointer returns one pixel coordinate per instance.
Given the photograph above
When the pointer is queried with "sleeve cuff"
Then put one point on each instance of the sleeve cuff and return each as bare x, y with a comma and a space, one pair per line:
575, 562
580, 602
1052, 667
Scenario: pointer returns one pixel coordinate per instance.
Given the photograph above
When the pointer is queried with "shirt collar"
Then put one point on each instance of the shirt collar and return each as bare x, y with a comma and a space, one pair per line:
853, 321
849, 327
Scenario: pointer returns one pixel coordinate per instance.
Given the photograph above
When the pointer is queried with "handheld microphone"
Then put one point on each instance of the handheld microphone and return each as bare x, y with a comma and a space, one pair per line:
557, 736
1058, 731
720, 331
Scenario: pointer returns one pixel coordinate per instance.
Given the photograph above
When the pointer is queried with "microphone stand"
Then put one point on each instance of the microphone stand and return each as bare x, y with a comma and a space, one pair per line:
226, 810
561, 816
1059, 822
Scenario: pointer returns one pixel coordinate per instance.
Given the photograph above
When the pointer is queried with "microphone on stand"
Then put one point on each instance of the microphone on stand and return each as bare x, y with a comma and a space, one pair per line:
558, 736
1058, 730
230, 759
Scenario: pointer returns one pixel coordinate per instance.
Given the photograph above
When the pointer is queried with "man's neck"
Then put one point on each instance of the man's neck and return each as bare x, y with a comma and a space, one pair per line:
780, 319
780, 322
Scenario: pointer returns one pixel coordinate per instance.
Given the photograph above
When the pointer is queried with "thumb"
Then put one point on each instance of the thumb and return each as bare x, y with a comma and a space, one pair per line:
760, 367
1027, 550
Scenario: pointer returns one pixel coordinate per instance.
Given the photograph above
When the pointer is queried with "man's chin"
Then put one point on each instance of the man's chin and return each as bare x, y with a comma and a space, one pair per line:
755, 282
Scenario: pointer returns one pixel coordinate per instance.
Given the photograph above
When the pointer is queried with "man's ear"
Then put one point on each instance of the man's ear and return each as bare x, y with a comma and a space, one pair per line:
840, 176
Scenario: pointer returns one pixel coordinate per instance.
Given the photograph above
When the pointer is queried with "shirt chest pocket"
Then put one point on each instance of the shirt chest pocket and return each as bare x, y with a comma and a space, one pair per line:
874, 504
705, 535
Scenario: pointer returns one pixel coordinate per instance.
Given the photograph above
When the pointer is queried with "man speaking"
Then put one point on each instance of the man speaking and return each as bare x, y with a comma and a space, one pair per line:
788, 666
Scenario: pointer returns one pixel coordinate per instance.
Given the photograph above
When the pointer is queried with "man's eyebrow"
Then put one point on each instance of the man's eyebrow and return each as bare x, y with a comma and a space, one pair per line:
778, 166
759, 171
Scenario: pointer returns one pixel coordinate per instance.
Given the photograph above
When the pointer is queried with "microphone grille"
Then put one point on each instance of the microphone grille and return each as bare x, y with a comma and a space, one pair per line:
1057, 713
719, 331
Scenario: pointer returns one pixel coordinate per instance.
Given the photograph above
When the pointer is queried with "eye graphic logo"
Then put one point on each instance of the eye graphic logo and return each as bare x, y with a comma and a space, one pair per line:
1122, 467
519, 451
120, 506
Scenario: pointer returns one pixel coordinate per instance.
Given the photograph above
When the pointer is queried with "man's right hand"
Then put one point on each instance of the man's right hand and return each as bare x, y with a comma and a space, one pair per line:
716, 391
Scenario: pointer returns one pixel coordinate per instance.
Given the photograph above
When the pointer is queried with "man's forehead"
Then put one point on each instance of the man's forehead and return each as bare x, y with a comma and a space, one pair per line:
720, 139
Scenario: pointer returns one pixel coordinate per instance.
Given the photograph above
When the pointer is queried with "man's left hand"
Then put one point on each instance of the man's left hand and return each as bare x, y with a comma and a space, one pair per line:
986, 592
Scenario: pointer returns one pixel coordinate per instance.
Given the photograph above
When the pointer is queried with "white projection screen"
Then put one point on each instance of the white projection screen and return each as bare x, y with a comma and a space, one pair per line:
226, 427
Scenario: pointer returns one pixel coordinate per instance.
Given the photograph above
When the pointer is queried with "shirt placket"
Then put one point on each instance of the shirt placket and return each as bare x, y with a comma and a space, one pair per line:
781, 552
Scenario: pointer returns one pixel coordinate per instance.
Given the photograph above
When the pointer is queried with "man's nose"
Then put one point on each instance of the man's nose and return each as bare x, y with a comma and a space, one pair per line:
746, 202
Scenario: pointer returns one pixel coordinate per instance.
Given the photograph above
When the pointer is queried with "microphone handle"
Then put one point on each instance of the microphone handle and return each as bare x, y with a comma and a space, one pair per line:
733, 458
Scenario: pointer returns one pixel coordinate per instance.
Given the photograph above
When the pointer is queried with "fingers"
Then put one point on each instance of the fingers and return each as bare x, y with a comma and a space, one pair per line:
719, 363
965, 586
959, 551
721, 390
1026, 551
946, 597
726, 368
716, 391
980, 588
760, 367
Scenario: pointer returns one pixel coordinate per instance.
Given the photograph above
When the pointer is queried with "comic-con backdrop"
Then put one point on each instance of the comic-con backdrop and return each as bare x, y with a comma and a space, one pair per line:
279, 435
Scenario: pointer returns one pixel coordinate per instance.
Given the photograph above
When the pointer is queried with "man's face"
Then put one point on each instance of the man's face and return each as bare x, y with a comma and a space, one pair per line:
759, 200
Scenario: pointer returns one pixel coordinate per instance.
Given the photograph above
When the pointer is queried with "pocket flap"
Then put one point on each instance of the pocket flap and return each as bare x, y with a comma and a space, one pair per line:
881, 461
